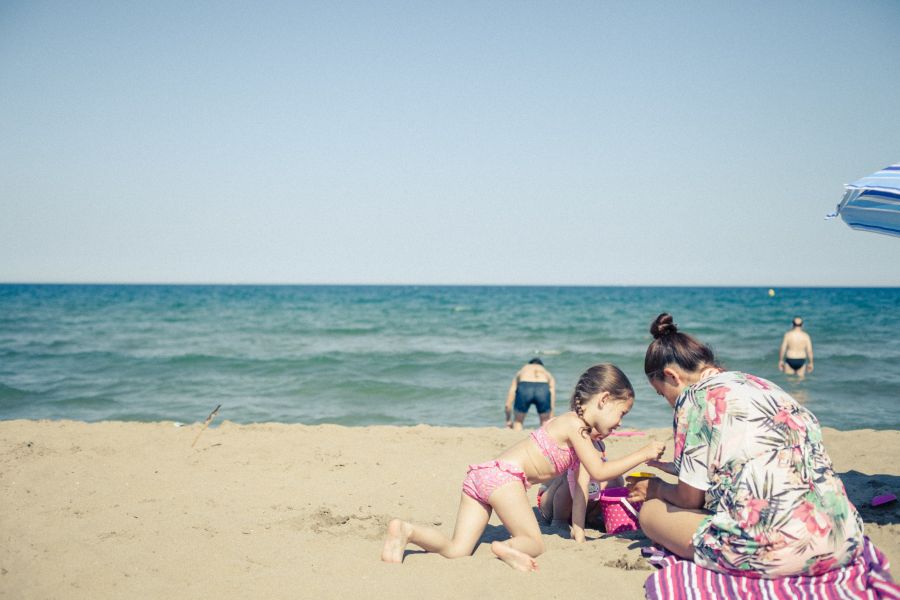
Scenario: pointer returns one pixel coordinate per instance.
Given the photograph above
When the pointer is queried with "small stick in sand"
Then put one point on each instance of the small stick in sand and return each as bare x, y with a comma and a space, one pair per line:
206, 424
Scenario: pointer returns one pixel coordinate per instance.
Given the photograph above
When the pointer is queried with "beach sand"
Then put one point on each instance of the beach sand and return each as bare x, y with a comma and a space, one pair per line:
131, 510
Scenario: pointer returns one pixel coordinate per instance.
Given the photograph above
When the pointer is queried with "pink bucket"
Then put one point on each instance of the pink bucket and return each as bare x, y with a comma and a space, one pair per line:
618, 513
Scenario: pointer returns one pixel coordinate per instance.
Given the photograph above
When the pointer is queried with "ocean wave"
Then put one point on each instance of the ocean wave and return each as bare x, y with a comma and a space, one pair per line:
395, 391
89, 402
9, 393
195, 360
344, 330
877, 355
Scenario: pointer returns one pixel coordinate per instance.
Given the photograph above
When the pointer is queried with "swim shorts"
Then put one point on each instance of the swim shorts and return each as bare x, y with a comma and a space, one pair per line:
532, 392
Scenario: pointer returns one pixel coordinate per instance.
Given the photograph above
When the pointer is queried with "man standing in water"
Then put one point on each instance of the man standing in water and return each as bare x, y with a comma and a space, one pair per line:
533, 384
796, 350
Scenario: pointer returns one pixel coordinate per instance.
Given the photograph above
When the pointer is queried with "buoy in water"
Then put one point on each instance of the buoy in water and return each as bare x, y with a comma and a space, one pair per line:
771, 292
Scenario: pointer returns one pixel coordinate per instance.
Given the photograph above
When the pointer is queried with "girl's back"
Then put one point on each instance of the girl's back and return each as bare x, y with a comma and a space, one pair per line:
540, 453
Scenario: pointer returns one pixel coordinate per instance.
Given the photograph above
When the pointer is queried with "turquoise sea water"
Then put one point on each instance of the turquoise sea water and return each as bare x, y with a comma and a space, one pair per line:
362, 355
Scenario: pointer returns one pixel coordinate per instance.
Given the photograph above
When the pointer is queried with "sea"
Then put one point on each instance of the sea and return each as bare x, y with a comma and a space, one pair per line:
405, 355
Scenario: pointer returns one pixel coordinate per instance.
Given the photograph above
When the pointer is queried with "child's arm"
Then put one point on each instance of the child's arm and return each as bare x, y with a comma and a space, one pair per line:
602, 471
579, 503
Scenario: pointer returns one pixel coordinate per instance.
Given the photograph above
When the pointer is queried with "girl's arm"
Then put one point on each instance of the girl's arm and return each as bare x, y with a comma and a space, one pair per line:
579, 503
603, 471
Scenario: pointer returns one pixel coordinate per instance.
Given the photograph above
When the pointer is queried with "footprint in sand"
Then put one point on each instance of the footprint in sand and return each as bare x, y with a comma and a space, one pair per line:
324, 520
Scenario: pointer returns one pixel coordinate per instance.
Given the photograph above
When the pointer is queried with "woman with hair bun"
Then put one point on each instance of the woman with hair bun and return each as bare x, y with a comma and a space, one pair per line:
756, 494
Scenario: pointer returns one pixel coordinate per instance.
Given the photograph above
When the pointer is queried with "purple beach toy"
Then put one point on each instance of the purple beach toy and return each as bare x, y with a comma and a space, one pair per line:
883, 499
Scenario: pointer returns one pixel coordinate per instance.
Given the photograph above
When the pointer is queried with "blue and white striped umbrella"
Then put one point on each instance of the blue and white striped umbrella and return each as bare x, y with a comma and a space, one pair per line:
873, 203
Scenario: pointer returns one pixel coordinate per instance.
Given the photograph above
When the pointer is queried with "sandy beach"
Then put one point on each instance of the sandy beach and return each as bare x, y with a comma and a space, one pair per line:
131, 510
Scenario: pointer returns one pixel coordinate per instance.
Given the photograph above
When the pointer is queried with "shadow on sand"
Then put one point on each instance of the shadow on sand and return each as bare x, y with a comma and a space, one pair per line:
862, 487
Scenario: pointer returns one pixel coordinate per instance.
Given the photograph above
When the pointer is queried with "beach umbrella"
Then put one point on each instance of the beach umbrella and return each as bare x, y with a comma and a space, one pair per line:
873, 203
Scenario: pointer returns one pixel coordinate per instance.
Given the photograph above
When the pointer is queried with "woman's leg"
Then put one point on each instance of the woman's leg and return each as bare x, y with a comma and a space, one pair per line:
671, 526
515, 512
471, 520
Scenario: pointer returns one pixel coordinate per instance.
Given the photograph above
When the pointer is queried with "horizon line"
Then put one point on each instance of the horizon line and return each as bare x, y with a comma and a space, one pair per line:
461, 285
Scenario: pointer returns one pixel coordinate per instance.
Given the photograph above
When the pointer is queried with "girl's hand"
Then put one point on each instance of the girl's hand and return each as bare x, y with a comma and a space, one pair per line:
654, 450
665, 467
577, 534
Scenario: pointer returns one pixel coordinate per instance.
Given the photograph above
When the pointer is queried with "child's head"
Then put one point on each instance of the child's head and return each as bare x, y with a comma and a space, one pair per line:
602, 396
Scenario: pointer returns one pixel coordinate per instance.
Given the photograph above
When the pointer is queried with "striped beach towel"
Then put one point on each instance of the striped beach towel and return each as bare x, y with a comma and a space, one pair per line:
868, 577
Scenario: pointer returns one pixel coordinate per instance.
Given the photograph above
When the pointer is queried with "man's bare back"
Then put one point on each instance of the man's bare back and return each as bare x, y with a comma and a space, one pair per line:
531, 375
532, 372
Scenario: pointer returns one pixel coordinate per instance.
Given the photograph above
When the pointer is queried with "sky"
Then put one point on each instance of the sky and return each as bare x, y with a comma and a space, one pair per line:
508, 143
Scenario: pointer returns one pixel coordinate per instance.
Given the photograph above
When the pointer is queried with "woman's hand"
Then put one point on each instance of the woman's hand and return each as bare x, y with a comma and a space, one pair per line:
637, 490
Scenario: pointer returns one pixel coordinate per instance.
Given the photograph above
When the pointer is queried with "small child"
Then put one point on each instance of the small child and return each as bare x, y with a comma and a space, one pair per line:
602, 396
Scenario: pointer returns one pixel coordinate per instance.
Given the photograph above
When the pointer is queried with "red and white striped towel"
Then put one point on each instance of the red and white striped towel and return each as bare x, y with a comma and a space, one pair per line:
868, 577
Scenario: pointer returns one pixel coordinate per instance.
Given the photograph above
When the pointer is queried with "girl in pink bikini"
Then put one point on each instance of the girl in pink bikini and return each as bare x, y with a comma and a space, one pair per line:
602, 397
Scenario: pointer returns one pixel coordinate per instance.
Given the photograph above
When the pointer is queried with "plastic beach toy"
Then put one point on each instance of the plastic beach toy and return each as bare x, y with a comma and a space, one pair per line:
619, 514
883, 499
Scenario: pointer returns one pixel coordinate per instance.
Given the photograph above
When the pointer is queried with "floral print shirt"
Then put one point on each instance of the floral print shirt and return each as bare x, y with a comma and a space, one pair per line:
777, 507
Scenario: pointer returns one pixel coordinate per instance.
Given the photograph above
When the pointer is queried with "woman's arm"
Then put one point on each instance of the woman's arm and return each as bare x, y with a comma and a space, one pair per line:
679, 494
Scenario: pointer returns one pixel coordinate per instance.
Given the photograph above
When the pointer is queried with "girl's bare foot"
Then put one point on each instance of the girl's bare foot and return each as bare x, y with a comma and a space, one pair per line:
517, 559
398, 533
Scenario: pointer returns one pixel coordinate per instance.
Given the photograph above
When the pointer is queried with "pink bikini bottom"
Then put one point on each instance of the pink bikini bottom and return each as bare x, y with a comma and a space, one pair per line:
483, 479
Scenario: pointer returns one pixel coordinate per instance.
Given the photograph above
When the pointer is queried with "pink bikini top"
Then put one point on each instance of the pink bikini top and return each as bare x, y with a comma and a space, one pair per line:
560, 458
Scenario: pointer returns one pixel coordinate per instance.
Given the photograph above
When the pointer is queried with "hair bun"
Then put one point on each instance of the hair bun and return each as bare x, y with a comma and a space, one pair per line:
663, 326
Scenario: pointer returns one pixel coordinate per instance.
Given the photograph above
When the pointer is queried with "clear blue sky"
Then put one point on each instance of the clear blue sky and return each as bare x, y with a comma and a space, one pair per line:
597, 143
